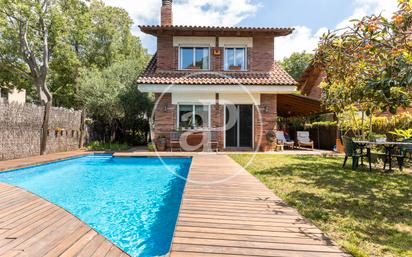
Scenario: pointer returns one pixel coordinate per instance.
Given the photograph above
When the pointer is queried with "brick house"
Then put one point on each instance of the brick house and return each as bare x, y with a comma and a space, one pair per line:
223, 79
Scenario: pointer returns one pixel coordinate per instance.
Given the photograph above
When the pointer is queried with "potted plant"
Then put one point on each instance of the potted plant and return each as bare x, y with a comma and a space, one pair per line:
151, 147
192, 67
161, 143
270, 138
235, 67
402, 134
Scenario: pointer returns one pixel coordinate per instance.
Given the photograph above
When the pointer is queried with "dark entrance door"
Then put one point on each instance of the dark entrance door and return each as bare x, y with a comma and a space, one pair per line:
239, 125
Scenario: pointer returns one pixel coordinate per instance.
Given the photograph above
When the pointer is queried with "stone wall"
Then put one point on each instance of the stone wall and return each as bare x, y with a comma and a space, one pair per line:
20, 130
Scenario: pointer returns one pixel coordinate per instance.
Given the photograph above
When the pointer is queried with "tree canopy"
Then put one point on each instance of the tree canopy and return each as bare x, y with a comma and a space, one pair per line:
80, 35
296, 64
370, 63
81, 54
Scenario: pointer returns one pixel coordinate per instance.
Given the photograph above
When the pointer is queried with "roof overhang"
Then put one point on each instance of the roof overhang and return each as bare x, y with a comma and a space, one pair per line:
156, 30
263, 89
292, 105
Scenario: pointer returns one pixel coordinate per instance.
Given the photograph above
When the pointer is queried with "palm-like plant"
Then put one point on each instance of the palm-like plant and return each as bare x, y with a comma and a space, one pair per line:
403, 134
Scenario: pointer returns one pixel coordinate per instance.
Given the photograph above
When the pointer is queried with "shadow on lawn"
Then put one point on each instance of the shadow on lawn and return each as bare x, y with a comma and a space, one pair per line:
375, 202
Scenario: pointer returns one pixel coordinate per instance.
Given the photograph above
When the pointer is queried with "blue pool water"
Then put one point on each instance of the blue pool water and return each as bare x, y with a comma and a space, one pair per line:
134, 202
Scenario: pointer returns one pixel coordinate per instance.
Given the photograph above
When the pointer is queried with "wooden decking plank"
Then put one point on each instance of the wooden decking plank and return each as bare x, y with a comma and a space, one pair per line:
47, 242
72, 244
114, 252
267, 218
252, 238
198, 254
17, 218
76, 247
14, 208
103, 249
31, 226
31, 235
256, 245
50, 233
240, 217
265, 228
249, 251
91, 246
35, 224
273, 223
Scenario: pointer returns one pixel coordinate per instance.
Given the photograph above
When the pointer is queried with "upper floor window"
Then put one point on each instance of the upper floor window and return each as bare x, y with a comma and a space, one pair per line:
196, 58
235, 58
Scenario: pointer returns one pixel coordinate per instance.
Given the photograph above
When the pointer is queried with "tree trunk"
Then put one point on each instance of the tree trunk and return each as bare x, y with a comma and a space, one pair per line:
45, 127
370, 124
81, 140
363, 122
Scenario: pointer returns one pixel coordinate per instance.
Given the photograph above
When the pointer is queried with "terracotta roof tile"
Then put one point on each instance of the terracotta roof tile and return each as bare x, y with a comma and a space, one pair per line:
276, 77
154, 29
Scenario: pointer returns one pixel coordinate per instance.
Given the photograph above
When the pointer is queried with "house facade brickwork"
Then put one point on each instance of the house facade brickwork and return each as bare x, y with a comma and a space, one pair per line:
201, 76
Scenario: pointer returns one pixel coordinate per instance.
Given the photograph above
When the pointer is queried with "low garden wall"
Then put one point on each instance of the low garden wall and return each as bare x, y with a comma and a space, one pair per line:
20, 130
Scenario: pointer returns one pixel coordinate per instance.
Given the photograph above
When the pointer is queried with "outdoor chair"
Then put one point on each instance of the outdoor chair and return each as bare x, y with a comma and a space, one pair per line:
281, 139
174, 141
351, 151
404, 153
304, 139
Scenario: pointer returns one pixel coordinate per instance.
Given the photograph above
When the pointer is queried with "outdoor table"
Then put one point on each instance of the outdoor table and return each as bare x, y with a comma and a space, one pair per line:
389, 146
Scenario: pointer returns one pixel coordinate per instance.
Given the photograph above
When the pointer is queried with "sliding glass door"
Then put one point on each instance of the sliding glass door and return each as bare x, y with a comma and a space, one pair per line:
239, 125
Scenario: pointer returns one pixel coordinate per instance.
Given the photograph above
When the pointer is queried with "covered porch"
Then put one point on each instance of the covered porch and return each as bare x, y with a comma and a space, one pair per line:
231, 127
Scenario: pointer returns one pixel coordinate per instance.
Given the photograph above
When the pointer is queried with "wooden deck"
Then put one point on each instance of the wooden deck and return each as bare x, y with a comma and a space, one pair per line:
31, 226
225, 212
38, 159
240, 217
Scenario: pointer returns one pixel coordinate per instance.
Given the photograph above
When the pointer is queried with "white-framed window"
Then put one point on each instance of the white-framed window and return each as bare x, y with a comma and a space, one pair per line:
194, 58
193, 116
235, 59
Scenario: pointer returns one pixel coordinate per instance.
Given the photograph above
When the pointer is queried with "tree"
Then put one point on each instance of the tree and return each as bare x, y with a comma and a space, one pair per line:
26, 44
97, 37
111, 96
296, 64
369, 64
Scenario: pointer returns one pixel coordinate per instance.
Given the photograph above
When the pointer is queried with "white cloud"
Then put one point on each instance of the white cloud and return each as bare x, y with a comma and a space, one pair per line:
186, 12
303, 38
232, 12
368, 7
213, 12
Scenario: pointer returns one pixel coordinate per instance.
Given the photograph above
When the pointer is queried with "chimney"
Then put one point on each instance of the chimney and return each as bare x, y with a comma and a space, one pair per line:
166, 13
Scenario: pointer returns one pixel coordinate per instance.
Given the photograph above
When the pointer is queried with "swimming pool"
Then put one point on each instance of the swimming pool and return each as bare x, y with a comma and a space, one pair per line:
134, 202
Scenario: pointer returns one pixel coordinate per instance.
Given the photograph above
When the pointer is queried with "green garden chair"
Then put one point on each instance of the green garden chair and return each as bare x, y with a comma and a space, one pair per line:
405, 152
351, 151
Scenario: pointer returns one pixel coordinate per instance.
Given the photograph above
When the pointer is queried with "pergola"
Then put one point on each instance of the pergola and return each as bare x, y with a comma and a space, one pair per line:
292, 105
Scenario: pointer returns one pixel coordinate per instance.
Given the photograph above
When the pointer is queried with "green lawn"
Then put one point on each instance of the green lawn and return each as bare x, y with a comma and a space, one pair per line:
368, 213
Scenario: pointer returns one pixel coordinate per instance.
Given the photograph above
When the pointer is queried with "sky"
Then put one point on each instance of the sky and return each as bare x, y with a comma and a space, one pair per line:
310, 18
